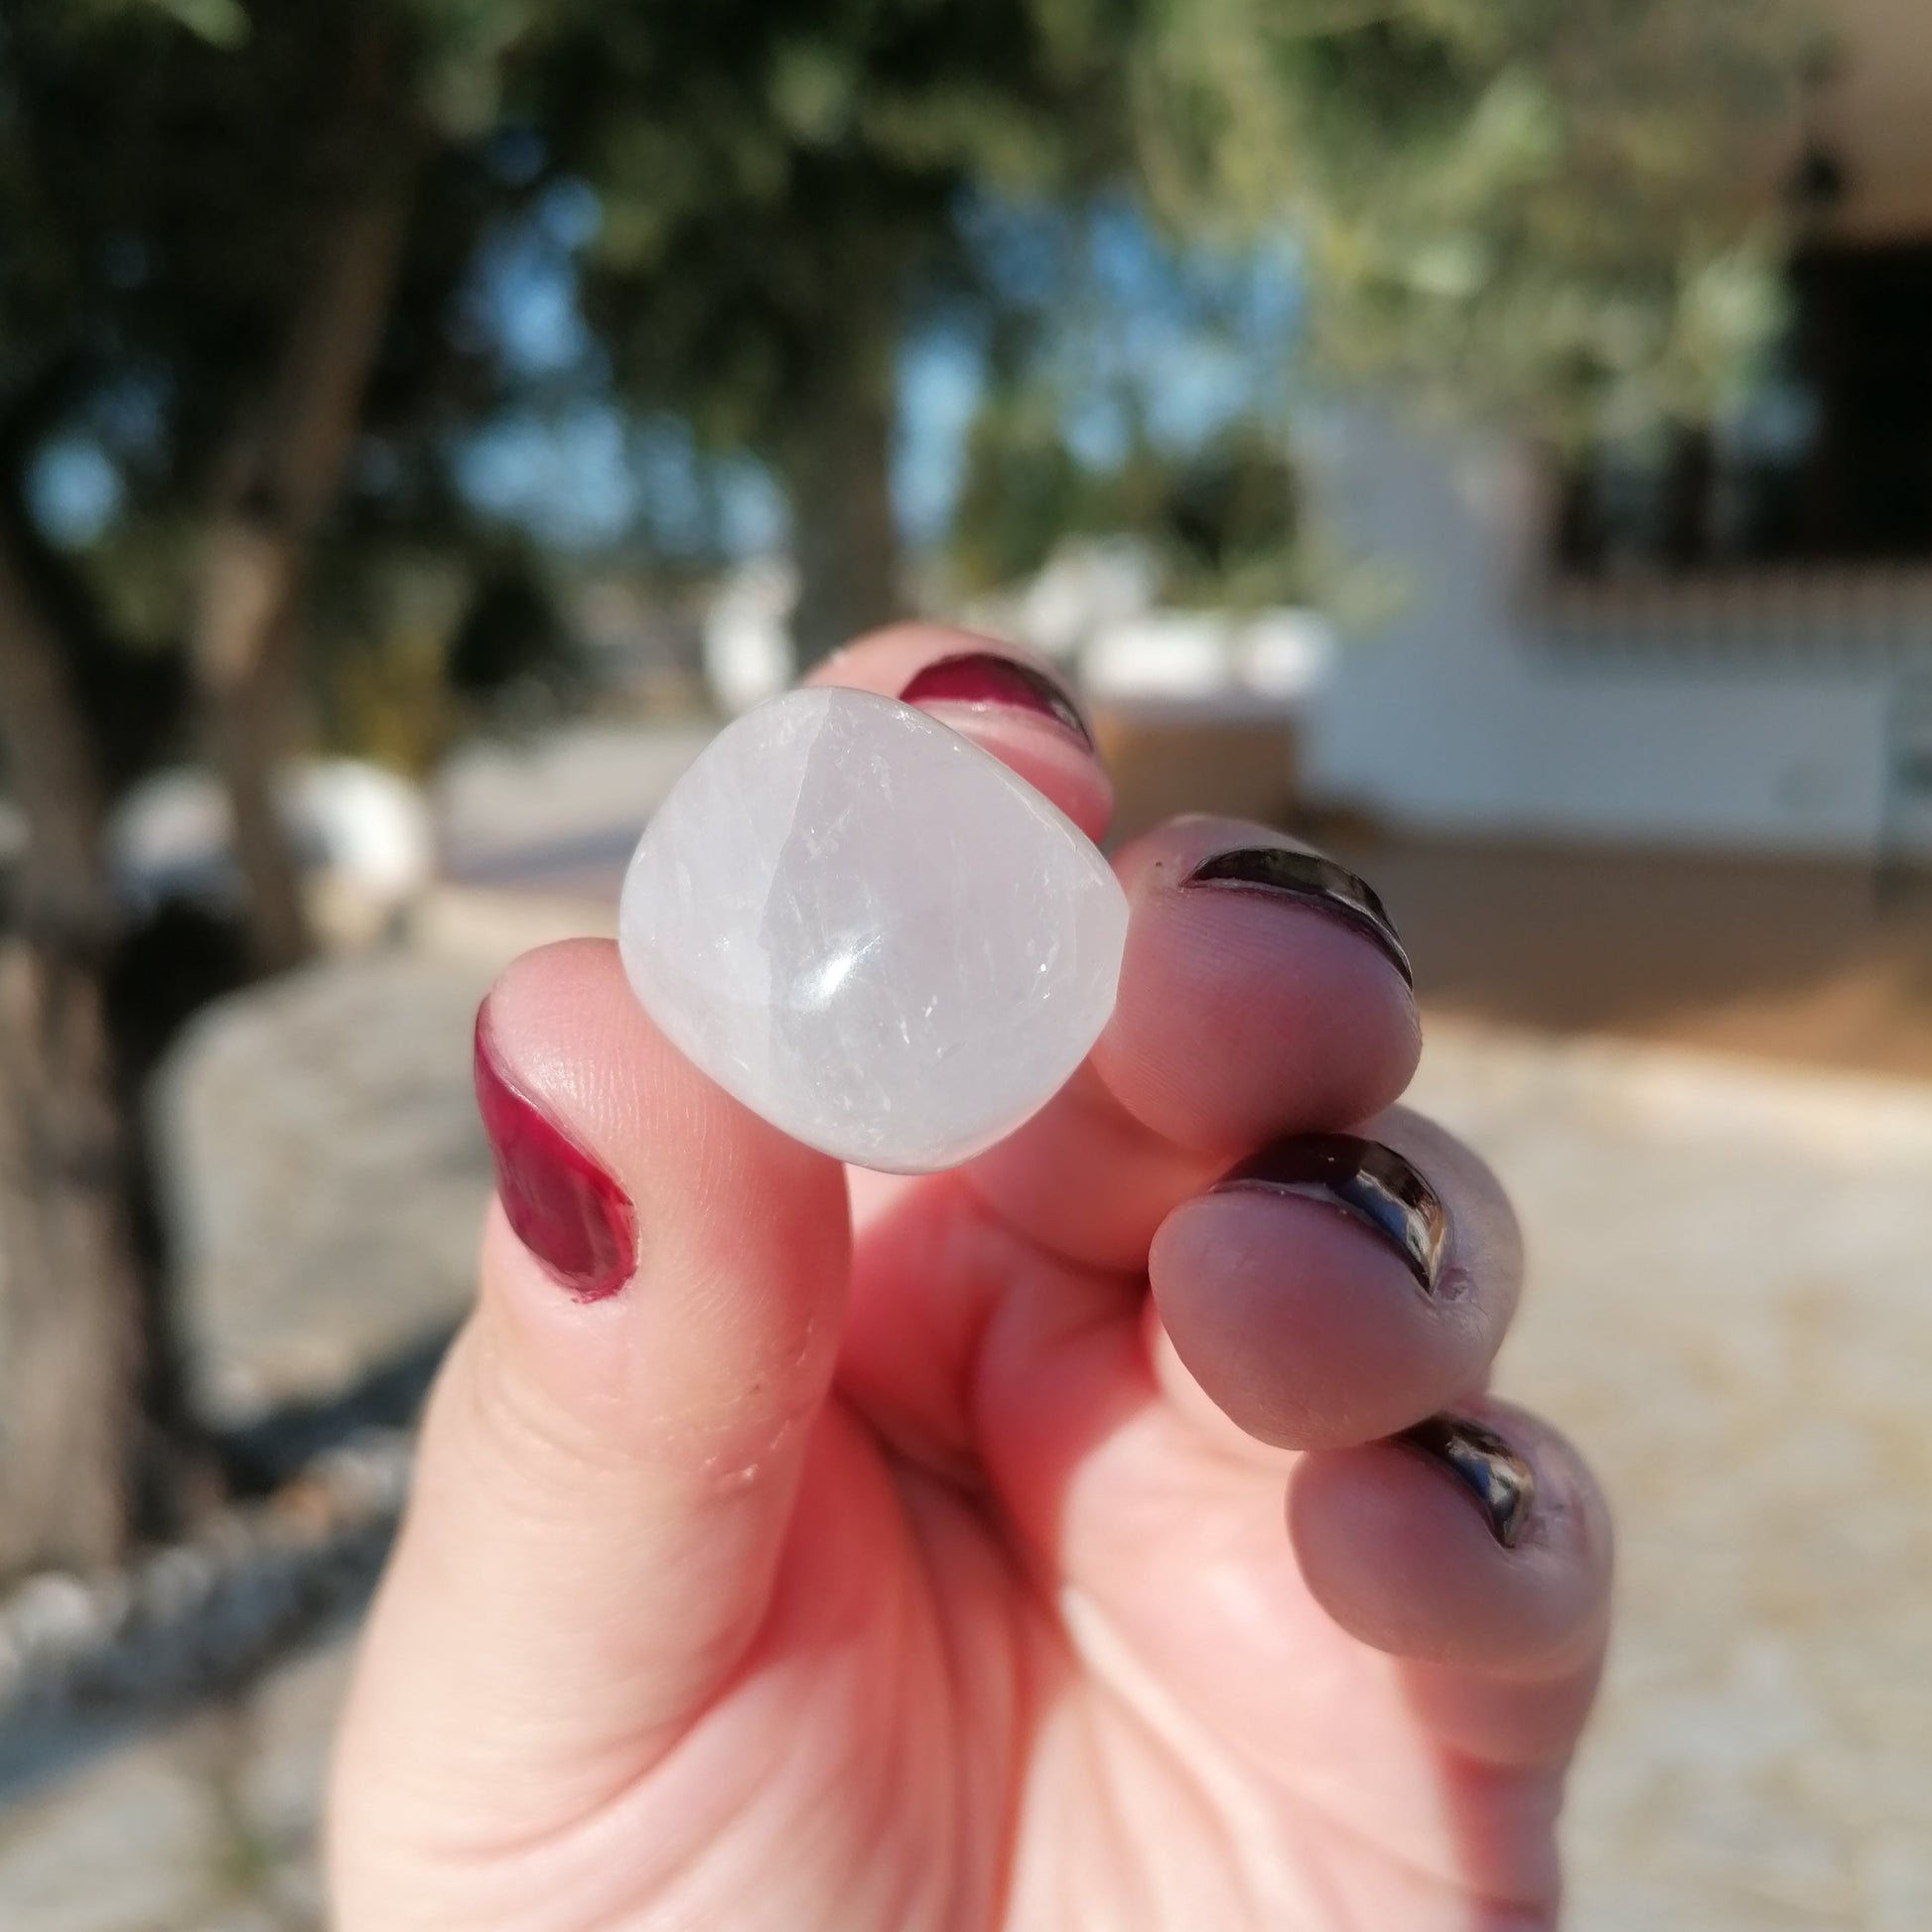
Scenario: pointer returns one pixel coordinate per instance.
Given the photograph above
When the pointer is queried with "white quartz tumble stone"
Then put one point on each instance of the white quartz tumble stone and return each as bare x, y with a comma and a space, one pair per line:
871, 931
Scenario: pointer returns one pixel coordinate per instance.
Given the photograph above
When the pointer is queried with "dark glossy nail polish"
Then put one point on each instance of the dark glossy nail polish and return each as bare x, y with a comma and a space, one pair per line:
1318, 884
985, 677
1366, 1180
571, 1215
1501, 1481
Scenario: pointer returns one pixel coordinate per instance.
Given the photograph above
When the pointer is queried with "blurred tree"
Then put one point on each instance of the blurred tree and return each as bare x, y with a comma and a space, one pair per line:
1022, 492
1219, 519
203, 223
202, 240
1535, 204
238, 250
511, 639
778, 187
72, 1282
1168, 363
1547, 207
1563, 216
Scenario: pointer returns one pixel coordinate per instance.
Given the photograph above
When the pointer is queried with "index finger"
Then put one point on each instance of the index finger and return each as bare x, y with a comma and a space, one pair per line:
1008, 700
1259, 997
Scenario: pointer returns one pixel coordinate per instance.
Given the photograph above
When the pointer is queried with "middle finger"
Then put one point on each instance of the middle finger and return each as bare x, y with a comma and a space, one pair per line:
1262, 993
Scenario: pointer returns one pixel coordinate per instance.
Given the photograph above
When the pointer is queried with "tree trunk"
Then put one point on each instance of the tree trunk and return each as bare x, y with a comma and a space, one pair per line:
72, 1293
239, 636
837, 460
281, 475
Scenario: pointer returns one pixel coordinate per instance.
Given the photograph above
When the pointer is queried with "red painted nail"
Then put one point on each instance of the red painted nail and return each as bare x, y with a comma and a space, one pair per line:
985, 677
571, 1215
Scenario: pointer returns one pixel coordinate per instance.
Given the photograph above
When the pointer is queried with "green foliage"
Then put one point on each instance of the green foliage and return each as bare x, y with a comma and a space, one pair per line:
164, 183
1557, 212
413, 652
221, 23
1551, 207
777, 182
1023, 491
1221, 522
512, 640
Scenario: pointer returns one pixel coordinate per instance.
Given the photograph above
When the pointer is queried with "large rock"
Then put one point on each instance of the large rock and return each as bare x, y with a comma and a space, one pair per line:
324, 1170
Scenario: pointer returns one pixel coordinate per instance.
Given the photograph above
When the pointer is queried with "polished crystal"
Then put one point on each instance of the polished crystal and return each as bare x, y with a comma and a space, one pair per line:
871, 931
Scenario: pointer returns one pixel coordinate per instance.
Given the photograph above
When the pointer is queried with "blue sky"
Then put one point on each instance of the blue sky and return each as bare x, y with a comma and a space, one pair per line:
1182, 340
1187, 340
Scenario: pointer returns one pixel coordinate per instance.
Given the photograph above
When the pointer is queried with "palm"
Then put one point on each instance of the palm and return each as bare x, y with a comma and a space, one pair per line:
1041, 1657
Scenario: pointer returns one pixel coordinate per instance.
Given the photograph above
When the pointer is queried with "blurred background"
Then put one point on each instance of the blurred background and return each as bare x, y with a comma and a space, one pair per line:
1492, 438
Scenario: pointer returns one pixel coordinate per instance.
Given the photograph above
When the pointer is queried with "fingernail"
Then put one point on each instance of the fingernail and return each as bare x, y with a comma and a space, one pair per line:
571, 1215
985, 677
1501, 1481
1366, 1180
1318, 884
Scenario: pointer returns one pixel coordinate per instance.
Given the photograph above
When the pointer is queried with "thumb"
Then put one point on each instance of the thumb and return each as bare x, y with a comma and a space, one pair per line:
610, 1455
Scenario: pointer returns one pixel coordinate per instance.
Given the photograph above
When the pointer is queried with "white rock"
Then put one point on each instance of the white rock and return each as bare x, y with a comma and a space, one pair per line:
871, 931
360, 834
748, 656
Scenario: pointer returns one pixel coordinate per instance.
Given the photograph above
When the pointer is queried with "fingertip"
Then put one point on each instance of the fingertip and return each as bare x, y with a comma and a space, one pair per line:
1248, 1013
1009, 700
636, 1195
1453, 1565
564, 1205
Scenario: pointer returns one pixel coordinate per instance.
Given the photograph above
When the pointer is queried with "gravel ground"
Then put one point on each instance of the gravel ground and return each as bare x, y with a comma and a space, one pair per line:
1730, 1312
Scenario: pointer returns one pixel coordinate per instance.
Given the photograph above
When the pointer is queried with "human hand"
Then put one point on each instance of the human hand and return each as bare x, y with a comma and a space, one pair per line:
782, 1561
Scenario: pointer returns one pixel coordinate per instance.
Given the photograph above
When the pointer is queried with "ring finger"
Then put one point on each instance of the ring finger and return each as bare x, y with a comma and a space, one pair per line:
1334, 1288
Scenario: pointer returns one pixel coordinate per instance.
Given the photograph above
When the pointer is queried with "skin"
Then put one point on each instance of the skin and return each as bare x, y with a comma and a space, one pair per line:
885, 1554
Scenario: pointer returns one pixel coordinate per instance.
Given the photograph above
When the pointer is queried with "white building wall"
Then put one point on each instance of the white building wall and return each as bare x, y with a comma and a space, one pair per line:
1463, 712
